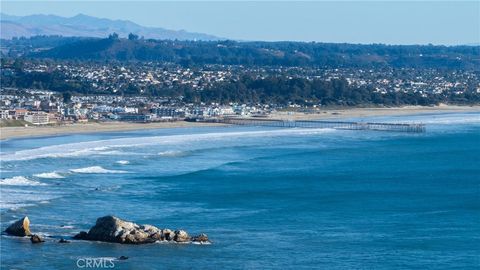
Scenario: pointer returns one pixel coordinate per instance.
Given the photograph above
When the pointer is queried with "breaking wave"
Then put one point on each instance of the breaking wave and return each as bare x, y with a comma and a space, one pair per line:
123, 162
50, 175
108, 147
20, 181
96, 169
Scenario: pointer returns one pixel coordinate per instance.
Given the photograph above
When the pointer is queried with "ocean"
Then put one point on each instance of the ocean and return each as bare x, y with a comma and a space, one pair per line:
268, 198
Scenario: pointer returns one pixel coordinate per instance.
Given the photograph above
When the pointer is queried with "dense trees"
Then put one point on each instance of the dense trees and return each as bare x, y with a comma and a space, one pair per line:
267, 53
280, 90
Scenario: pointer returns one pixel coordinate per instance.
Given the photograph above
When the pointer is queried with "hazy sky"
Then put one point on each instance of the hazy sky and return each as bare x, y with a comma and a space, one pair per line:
392, 22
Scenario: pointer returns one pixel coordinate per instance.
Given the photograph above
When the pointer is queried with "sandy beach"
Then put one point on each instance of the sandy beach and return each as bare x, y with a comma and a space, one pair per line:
38, 131
33, 131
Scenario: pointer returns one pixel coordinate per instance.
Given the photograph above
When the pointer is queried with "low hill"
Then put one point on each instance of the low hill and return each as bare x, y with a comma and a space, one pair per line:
268, 53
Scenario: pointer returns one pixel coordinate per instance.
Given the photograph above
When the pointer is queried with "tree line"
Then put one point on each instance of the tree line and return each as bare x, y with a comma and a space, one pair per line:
279, 90
328, 55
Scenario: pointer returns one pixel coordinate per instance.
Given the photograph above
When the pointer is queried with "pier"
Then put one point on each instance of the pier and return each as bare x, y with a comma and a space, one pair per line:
396, 127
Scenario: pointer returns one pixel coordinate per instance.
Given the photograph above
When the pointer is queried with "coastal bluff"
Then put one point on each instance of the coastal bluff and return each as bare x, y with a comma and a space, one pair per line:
115, 230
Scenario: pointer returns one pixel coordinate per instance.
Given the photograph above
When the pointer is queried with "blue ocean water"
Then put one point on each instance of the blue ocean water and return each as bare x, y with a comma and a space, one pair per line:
268, 198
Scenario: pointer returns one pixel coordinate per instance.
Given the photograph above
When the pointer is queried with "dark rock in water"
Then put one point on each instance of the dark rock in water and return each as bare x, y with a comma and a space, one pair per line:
36, 239
116, 230
200, 238
63, 241
122, 258
20, 228
81, 236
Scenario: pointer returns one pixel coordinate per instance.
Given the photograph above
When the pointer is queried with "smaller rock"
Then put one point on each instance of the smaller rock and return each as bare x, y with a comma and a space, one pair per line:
122, 258
200, 238
181, 236
81, 236
63, 241
36, 239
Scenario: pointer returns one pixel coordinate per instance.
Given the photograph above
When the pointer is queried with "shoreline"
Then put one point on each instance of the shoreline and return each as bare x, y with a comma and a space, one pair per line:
41, 131
337, 114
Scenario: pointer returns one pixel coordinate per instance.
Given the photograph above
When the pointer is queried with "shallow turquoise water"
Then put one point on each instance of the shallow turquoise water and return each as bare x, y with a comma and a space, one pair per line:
268, 198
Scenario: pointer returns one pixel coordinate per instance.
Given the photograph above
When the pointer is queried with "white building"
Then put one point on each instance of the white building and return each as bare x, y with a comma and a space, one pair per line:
37, 118
4, 114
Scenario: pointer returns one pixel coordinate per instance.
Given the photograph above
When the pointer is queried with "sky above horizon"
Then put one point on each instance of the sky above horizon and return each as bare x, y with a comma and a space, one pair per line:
390, 22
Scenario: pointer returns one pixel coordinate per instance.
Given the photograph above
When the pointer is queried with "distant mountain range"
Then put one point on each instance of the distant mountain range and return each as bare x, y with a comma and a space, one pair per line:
86, 26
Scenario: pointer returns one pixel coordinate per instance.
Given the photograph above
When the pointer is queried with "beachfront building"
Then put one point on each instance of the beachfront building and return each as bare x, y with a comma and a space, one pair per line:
168, 112
4, 114
37, 118
17, 114
131, 117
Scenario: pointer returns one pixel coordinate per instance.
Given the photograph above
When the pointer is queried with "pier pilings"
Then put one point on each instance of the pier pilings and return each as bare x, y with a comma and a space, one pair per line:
397, 127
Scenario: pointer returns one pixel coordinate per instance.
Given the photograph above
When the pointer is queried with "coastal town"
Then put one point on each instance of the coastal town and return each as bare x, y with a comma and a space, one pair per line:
127, 92
39, 107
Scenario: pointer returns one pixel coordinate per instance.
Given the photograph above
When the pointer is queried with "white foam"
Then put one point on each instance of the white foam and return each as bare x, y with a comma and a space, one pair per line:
172, 153
96, 169
14, 206
60, 151
449, 120
19, 181
201, 243
18, 197
123, 162
50, 175
433, 119
105, 146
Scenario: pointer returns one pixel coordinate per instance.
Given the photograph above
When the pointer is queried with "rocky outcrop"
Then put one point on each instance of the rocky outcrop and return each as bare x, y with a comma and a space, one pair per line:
116, 230
20, 228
